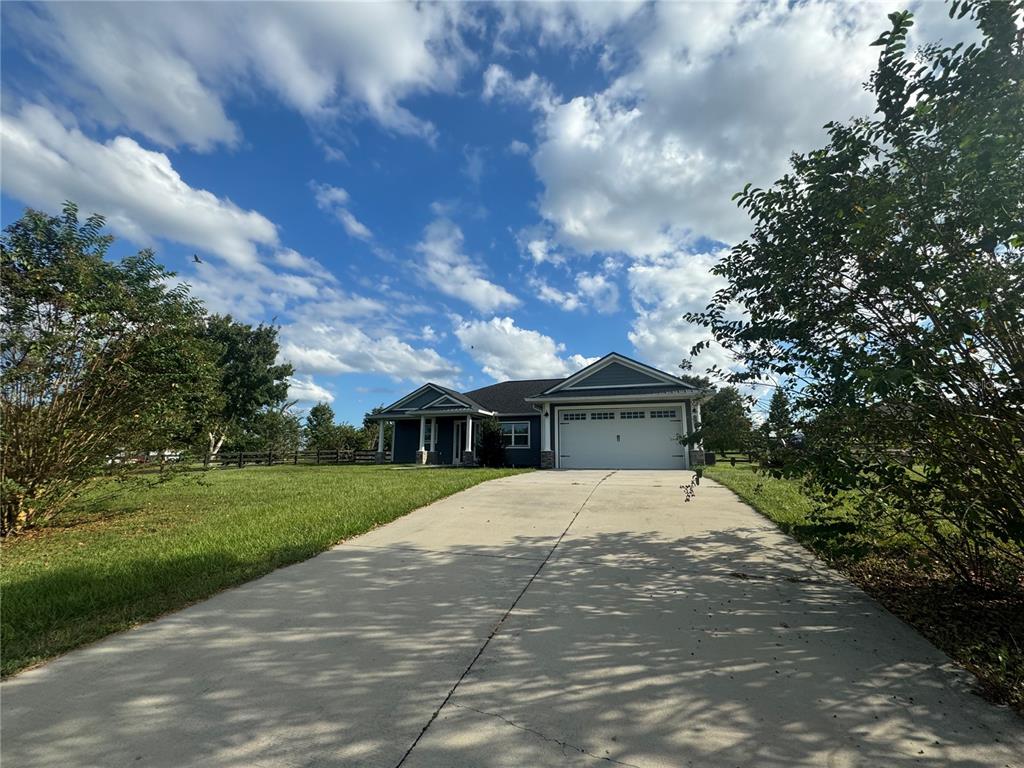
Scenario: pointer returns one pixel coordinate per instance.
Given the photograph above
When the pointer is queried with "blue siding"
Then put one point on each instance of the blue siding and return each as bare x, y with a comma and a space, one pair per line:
525, 457
615, 375
407, 438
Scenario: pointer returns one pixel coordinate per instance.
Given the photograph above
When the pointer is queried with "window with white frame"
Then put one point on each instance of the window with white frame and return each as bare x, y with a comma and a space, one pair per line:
515, 434
668, 414
602, 415
632, 414
573, 416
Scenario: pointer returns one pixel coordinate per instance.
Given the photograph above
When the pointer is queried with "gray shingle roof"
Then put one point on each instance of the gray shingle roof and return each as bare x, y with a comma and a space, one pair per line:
509, 396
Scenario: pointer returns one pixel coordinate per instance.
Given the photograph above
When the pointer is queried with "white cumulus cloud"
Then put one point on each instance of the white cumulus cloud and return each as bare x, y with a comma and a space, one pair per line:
453, 273
166, 70
506, 351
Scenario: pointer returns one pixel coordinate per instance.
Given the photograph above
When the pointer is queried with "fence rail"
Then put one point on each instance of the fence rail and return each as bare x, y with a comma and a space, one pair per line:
270, 458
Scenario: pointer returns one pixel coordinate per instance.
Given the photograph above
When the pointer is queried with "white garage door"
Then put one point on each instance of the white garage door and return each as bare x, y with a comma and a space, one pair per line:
626, 437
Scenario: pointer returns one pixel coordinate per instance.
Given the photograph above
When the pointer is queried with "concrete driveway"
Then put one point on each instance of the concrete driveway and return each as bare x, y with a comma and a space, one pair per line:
558, 618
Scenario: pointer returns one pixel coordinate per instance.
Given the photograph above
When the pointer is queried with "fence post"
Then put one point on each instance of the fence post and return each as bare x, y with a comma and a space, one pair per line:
296, 462
206, 461
337, 455
270, 457
241, 458
318, 457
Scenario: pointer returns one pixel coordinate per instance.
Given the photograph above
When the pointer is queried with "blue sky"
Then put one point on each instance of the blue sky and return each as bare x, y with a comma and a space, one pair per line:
460, 193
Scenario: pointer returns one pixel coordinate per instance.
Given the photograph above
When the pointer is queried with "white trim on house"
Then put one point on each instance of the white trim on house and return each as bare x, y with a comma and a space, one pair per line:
668, 397
604, 362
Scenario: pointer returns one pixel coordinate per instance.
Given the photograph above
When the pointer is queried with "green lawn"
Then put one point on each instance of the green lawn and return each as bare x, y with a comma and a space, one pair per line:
126, 554
983, 632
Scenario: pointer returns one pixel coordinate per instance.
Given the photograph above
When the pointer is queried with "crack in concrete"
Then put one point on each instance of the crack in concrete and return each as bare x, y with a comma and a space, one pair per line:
563, 744
497, 627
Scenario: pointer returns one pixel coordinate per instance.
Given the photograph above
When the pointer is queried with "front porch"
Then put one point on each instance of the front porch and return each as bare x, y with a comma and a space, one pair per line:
435, 440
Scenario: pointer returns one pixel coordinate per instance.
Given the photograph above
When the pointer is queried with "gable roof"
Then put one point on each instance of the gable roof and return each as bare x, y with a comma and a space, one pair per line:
510, 396
440, 391
655, 376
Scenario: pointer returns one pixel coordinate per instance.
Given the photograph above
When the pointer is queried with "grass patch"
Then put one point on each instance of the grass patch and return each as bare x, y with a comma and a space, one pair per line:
120, 558
983, 632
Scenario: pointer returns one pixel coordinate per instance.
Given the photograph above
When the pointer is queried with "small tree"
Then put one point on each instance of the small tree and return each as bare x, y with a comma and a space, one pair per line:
271, 429
725, 423
100, 361
252, 381
778, 427
490, 447
319, 432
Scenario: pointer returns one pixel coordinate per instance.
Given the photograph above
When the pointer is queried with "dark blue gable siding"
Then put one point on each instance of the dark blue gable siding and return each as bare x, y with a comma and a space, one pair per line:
615, 375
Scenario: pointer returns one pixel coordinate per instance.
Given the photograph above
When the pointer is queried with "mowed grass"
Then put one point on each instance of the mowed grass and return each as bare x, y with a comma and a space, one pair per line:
984, 632
126, 554
783, 501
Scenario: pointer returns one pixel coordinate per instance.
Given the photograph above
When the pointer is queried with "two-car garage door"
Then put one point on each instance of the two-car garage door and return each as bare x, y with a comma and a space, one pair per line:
626, 437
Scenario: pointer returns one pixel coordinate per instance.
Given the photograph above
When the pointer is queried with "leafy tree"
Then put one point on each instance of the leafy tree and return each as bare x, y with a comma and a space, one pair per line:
490, 448
725, 423
693, 379
348, 437
100, 361
251, 379
885, 273
779, 424
271, 429
319, 432
322, 434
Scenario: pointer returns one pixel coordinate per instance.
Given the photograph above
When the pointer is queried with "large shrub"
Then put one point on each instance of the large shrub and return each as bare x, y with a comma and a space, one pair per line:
884, 279
100, 361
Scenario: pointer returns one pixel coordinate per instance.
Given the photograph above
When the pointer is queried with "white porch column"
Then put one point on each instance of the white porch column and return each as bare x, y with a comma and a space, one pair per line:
433, 433
469, 433
380, 436
423, 427
545, 429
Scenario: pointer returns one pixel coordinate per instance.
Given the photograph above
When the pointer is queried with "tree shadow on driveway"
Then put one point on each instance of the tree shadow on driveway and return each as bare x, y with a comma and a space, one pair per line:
710, 649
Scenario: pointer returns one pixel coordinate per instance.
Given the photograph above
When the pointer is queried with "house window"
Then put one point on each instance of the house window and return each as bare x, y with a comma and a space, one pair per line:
670, 414
574, 416
602, 415
632, 414
515, 434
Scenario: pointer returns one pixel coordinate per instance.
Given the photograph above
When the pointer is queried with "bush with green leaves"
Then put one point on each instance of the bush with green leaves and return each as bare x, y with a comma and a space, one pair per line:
490, 447
884, 280
100, 361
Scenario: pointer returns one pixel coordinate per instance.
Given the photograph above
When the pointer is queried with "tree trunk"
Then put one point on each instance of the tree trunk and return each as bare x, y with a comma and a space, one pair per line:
216, 442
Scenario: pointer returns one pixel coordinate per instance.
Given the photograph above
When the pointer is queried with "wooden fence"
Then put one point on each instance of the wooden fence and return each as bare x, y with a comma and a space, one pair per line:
270, 458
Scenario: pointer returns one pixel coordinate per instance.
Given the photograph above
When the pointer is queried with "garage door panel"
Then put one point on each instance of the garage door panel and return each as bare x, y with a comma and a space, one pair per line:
624, 437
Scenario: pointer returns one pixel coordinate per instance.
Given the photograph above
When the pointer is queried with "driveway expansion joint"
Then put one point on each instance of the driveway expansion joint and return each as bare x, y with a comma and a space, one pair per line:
497, 627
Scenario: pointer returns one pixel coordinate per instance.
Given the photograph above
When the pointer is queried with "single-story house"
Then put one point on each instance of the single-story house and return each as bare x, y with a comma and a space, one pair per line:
615, 413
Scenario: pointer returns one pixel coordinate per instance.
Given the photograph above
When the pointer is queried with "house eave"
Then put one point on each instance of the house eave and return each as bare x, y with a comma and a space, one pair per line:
672, 397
